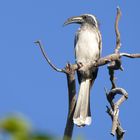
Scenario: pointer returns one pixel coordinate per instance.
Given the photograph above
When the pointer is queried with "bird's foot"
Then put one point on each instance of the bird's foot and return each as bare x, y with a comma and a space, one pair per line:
79, 64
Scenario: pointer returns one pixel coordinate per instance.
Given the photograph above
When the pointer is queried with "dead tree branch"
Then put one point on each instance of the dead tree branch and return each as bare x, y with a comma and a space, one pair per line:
101, 62
114, 111
118, 41
72, 102
136, 55
116, 65
70, 73
47, 58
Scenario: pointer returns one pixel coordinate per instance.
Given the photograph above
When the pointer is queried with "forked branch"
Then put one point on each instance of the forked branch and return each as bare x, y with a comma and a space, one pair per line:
114, 110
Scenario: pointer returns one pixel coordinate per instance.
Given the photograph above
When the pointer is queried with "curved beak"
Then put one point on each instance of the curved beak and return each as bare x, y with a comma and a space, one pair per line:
75, 19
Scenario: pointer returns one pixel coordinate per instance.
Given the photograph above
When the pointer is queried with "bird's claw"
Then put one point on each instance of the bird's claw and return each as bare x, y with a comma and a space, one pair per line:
79, 64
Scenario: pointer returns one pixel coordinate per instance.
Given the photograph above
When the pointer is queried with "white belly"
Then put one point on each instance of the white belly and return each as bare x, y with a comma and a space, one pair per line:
87, 46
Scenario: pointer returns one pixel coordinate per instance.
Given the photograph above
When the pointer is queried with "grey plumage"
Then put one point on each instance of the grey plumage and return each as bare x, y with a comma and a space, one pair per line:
88, 46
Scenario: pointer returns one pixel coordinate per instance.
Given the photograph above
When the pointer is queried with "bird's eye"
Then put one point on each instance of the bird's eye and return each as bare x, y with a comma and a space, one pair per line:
84, 17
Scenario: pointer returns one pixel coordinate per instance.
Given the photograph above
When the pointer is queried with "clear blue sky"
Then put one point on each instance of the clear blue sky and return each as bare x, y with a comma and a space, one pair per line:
29, 86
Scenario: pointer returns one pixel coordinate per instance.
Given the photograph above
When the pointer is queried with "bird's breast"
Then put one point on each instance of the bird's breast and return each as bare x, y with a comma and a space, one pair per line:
87, 46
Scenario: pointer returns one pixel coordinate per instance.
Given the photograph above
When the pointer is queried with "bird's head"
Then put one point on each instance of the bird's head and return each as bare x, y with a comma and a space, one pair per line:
82, 19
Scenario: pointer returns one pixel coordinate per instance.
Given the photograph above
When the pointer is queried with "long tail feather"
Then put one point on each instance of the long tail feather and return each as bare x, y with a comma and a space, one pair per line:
82, 115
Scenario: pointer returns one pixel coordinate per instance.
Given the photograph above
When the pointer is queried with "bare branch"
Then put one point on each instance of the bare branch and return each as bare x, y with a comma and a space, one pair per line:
114, 112
101, 62
136, 55
112, 78
119, 131
72, 102
116, 64
118, 41
112, 59
46, 57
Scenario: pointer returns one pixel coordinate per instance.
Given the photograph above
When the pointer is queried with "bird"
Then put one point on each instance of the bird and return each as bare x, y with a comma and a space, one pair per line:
88, 48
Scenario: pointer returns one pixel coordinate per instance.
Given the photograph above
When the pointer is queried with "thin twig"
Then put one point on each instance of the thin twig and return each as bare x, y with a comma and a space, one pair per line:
47, 58
136, 55
118, 41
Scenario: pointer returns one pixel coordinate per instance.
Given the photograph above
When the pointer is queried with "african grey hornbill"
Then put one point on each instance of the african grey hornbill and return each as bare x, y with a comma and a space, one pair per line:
88, 46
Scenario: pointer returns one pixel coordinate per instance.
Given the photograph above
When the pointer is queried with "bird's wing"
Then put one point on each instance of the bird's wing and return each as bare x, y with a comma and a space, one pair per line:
100, 42
75, 40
